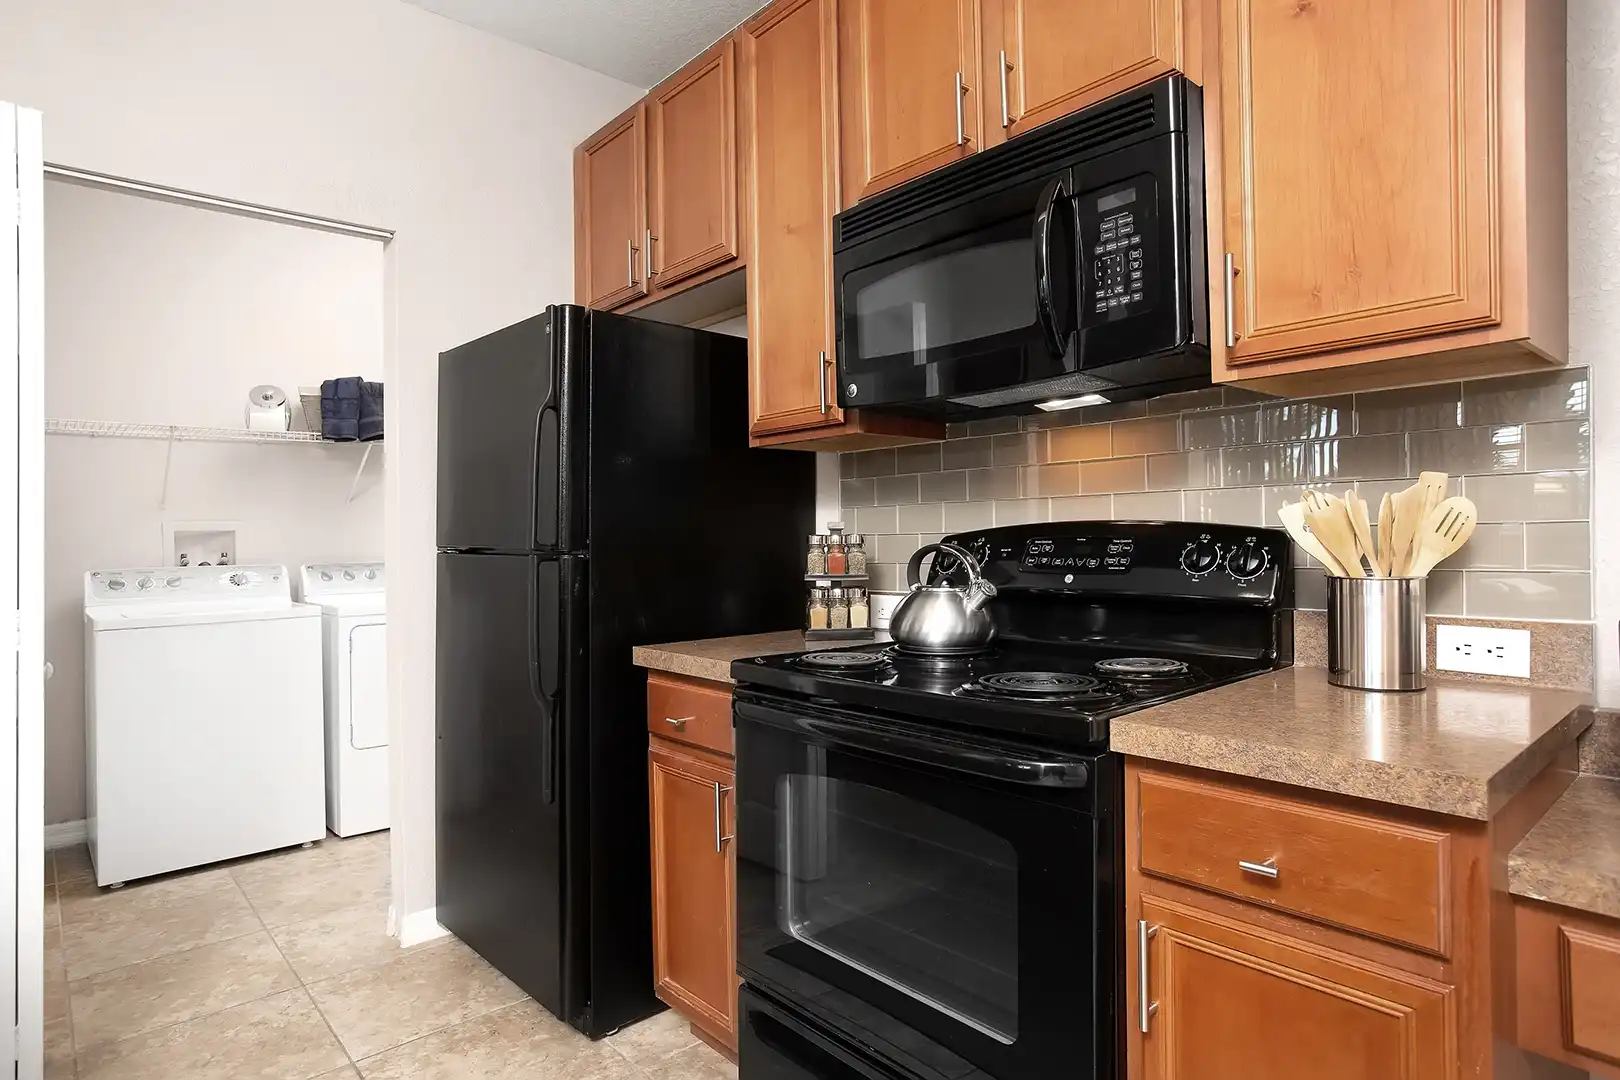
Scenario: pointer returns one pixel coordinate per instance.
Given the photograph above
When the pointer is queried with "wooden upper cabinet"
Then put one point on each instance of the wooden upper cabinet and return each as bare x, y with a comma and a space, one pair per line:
694, 950
610, 212
909, 79
1360, 166
1056, 56
692, 188
1236, 1005
791, 105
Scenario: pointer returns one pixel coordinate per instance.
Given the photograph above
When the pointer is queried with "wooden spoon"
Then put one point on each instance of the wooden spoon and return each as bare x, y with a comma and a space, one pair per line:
1386, 533
1292, 516
1357, 506
1446, 529
1330, 523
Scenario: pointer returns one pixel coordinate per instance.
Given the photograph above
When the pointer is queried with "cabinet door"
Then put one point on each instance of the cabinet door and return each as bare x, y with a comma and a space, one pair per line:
1058, 56
910, 74
692, 198
610, 212
792, 124
1359, 155
693, 875
1235, 1005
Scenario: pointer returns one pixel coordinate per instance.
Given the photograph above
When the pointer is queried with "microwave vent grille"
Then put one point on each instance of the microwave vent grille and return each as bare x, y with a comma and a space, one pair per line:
1045, 149
1059, 386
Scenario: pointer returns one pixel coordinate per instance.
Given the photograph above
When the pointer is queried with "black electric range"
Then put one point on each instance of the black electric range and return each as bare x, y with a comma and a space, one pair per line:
929, 849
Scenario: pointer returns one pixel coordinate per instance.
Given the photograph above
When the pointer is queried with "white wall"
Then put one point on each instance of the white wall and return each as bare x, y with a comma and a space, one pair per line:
1594, 304
162, 313
369, 111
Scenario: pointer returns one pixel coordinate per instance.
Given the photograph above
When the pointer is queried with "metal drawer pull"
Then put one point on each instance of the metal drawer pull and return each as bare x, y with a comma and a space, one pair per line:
719, 840
1264, 869
1144, 1007
678, 722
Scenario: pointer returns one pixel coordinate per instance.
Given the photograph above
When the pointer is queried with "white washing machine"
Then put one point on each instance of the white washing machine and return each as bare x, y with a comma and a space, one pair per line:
353, 601
202, 717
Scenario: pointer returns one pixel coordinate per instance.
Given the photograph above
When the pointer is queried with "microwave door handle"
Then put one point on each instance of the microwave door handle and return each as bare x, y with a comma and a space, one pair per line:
1045, 299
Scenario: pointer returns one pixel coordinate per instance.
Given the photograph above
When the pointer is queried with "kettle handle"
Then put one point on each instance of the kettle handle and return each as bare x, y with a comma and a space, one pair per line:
979, 590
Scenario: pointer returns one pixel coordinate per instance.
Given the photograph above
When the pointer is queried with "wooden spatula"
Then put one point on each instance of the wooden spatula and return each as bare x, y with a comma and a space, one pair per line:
1292, 516
1446, 529
1408, 505
1330, 523
1357, 508
1386, 533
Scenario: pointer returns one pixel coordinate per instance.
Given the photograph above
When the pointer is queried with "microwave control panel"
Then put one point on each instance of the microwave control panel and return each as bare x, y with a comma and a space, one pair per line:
1117, 226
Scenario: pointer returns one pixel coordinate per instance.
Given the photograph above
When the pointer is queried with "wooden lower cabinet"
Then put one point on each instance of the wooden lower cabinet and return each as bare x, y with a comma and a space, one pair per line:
1237, 1004
693, 886
1568, 969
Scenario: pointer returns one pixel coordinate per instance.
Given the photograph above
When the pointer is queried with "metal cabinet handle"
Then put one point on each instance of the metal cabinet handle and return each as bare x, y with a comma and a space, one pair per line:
678, 722
1144, 1007
821, 374
646, 257
1006, 117
719, 839
1231, 303
961, 128
1264, 869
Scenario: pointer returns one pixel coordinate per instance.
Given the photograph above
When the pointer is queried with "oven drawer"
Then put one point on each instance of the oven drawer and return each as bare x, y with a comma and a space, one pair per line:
689, 711
1380, 877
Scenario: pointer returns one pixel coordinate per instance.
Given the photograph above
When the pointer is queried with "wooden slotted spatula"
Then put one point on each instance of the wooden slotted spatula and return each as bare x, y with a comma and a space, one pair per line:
1386, 533
1330, 523
1446, 529
1292, 516
1357, 508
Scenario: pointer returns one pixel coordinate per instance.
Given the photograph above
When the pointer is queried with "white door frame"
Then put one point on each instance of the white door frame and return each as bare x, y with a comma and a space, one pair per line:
22, 474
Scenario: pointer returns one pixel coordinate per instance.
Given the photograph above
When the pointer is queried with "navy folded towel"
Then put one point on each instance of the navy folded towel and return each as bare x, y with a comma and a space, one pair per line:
371, 411
340, 409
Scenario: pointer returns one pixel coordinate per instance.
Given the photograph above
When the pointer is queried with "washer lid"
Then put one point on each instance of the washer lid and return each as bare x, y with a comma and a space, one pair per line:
109, 617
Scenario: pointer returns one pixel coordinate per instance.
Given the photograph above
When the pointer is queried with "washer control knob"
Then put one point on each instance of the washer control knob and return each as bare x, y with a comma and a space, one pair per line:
348, 575
116, 585
173, 582
326, 575
371, 575
144, 583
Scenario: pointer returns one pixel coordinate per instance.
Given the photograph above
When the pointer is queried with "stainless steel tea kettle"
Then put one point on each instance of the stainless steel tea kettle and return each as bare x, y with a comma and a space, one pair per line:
940, 618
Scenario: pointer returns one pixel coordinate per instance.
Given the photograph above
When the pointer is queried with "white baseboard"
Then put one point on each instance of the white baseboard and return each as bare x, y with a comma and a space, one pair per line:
66, 834
420, 926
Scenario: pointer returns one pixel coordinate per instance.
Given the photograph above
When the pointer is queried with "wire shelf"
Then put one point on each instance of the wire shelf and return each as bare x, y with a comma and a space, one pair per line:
116, 429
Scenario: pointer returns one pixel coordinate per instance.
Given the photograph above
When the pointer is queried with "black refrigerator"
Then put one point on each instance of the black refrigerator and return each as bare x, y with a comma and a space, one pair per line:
596, 491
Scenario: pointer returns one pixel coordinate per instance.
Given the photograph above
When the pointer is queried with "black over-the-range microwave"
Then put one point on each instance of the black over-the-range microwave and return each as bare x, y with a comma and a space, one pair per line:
1066, 267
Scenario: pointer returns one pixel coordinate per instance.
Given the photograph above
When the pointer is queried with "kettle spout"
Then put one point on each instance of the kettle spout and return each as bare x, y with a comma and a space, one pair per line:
979, 591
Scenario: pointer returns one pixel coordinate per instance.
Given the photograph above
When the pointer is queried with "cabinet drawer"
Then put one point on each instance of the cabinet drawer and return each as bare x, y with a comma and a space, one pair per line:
689, 711
1380, 877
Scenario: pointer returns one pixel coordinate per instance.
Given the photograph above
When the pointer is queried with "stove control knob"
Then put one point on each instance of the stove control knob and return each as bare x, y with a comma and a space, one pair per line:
1247, 561
1201, 556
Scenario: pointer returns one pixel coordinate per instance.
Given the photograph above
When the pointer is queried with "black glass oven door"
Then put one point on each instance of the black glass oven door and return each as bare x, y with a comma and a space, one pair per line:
939, 901
971, 299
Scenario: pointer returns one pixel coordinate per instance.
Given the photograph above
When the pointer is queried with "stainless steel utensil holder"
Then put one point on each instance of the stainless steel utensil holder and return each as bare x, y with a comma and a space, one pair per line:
1376, 637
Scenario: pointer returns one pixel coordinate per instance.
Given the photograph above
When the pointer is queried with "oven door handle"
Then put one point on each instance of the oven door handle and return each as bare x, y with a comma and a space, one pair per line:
1054, 197
1047, 770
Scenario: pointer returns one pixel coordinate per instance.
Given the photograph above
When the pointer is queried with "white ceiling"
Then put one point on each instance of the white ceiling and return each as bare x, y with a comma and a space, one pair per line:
639, 41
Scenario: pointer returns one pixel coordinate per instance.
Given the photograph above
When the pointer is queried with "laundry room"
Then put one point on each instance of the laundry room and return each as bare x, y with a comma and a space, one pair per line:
188, 341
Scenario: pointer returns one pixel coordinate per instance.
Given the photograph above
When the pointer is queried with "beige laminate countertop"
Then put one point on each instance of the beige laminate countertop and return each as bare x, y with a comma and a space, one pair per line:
711, 658
1458, 748
1572, 856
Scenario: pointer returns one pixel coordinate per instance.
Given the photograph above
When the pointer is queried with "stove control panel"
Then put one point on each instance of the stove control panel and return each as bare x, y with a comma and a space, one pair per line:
1139, 558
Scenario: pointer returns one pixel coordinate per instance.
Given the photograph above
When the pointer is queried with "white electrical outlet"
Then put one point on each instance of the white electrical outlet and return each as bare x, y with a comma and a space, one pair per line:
1482, 650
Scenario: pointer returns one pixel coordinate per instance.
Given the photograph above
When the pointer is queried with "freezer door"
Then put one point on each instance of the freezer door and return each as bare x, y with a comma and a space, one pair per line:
509, 648
511, 437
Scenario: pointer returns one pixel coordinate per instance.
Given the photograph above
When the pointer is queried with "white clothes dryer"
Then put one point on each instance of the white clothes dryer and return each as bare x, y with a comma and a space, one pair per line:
354, 605
202, 717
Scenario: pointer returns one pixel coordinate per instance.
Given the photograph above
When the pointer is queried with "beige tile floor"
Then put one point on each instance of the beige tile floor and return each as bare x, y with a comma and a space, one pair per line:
278, 967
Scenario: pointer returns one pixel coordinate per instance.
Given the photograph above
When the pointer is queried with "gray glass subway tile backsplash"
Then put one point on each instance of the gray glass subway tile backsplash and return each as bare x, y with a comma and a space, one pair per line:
1519, 446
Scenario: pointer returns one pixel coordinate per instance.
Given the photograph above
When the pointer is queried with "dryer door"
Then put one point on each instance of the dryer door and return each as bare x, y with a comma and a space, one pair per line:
368, 686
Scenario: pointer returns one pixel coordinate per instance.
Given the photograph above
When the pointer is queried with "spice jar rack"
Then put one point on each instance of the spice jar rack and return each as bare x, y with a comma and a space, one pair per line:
838, 607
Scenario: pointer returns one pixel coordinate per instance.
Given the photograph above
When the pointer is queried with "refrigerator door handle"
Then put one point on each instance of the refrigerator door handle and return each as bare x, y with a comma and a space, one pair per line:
547, 702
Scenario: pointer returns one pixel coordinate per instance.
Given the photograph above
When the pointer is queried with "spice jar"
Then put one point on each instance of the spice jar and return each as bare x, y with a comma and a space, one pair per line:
817, 617
837, 555
815, 561
837, 611
855, 554
860, 616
